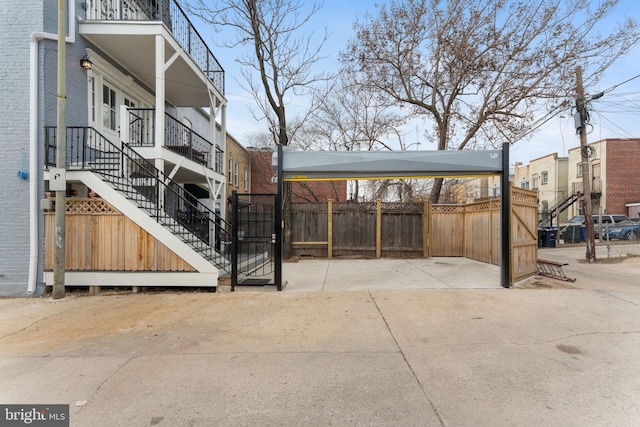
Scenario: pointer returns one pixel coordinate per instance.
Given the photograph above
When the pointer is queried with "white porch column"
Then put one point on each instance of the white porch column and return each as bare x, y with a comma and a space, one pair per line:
160, 103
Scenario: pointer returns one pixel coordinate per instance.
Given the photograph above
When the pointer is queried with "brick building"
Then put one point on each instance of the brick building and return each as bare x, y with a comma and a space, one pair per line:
238, 168
303, 192
614, 174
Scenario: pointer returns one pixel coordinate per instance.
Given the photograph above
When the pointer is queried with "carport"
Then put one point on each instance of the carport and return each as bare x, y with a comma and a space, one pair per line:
292, 165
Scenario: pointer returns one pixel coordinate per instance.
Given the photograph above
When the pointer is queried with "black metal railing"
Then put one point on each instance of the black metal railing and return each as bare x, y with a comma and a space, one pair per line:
596, 186
174, 18
166, 201
142, 127
178, 138
183, 140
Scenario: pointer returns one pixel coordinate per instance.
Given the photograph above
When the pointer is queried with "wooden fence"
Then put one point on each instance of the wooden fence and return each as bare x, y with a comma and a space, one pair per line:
359, 229
419, 229
100, 238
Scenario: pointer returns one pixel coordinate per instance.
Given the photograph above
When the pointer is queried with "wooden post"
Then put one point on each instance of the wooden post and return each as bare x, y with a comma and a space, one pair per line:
491, 230
378, 228
426, 229
329, 228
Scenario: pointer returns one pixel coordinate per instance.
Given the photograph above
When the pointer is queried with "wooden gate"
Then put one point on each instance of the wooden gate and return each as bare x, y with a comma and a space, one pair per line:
523, 247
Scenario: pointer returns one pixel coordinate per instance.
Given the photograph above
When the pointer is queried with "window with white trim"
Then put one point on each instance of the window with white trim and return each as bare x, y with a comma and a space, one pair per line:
246, 179
230, 170
235, 174
545, 177
108, 107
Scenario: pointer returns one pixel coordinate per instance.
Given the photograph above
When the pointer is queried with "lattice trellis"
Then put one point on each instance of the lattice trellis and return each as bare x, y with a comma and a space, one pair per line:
402, 207
447, 208
524, 196
483, 206
90, 206
310, 207
354, 207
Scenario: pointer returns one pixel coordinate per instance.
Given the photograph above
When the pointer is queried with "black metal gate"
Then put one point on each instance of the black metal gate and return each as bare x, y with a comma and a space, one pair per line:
256, 247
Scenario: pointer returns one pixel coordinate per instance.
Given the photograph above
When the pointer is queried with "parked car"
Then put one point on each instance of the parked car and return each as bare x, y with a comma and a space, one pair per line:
573, 230
627, 230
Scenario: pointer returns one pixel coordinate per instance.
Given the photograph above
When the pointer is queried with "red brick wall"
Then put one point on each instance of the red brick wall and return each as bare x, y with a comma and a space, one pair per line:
311, 191
623, 174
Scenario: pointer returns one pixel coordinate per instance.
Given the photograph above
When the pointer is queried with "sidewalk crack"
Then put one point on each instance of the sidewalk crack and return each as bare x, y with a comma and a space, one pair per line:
404, 357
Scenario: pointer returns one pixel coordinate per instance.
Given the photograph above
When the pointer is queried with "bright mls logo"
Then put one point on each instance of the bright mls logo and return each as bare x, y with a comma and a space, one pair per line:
34, 415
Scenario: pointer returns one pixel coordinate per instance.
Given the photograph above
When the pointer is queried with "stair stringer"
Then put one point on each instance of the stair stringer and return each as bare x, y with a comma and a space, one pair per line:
142, 219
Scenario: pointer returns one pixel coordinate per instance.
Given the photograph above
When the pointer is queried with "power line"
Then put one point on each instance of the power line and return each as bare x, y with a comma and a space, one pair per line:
620, 84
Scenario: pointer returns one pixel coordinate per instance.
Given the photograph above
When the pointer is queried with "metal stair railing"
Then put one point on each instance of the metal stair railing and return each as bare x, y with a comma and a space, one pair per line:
563, 205
142, 183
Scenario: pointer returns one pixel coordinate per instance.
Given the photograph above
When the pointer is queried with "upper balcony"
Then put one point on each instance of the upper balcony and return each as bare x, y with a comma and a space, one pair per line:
596, 187
127, 31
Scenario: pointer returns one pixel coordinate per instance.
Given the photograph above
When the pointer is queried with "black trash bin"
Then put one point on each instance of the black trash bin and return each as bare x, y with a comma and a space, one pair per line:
549, 235
540, 234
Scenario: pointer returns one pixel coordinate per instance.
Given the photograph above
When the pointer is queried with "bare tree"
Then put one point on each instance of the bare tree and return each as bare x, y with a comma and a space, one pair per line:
481, 72
349, 117
281, 59
280, 64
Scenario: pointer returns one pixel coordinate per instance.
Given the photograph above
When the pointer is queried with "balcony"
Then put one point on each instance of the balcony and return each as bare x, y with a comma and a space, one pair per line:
126, 30
596, 187
178, 138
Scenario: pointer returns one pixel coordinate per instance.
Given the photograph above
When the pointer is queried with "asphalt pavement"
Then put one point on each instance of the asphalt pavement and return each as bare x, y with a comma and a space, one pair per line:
432, 342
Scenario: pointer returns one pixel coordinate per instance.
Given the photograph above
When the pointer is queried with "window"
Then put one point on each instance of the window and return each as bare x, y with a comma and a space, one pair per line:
230, 169
536, 181
235, 174
93, 99
545, 206
108, 108
246, 179
524, 185
579, 169
545, 177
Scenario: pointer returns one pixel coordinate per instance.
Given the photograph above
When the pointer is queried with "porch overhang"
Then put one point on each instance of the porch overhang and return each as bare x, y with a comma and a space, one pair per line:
133, 46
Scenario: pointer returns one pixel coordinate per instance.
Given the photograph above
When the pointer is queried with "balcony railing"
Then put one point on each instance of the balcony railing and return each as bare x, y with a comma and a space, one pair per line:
177, 137
171, 14
596, 187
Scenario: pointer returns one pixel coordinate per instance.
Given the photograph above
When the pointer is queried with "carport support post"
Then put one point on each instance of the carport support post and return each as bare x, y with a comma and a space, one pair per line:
505, 220
279, 222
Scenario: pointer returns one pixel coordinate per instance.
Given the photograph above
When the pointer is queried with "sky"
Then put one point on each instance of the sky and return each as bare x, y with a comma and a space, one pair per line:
615, 115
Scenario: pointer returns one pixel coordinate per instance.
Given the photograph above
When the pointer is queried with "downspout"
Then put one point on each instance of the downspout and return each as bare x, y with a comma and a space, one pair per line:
34, 39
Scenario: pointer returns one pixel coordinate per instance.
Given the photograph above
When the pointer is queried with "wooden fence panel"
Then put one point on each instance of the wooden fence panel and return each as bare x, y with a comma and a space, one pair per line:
99, 238
354, 232
401, 228
447, 234
482, 225
309, 232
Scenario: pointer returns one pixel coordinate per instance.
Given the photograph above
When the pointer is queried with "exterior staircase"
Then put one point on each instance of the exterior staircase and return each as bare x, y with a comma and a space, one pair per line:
546, 218
148, 189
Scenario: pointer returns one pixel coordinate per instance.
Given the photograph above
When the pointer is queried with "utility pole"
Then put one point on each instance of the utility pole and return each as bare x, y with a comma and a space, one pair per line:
61, 160
582, 118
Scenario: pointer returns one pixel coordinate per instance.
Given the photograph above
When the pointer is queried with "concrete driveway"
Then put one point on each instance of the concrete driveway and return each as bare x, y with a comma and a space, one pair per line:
377, 356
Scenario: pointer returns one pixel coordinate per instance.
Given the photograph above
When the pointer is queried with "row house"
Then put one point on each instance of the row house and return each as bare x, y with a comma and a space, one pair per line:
612, 165
613, 177
145, 143
548, 175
